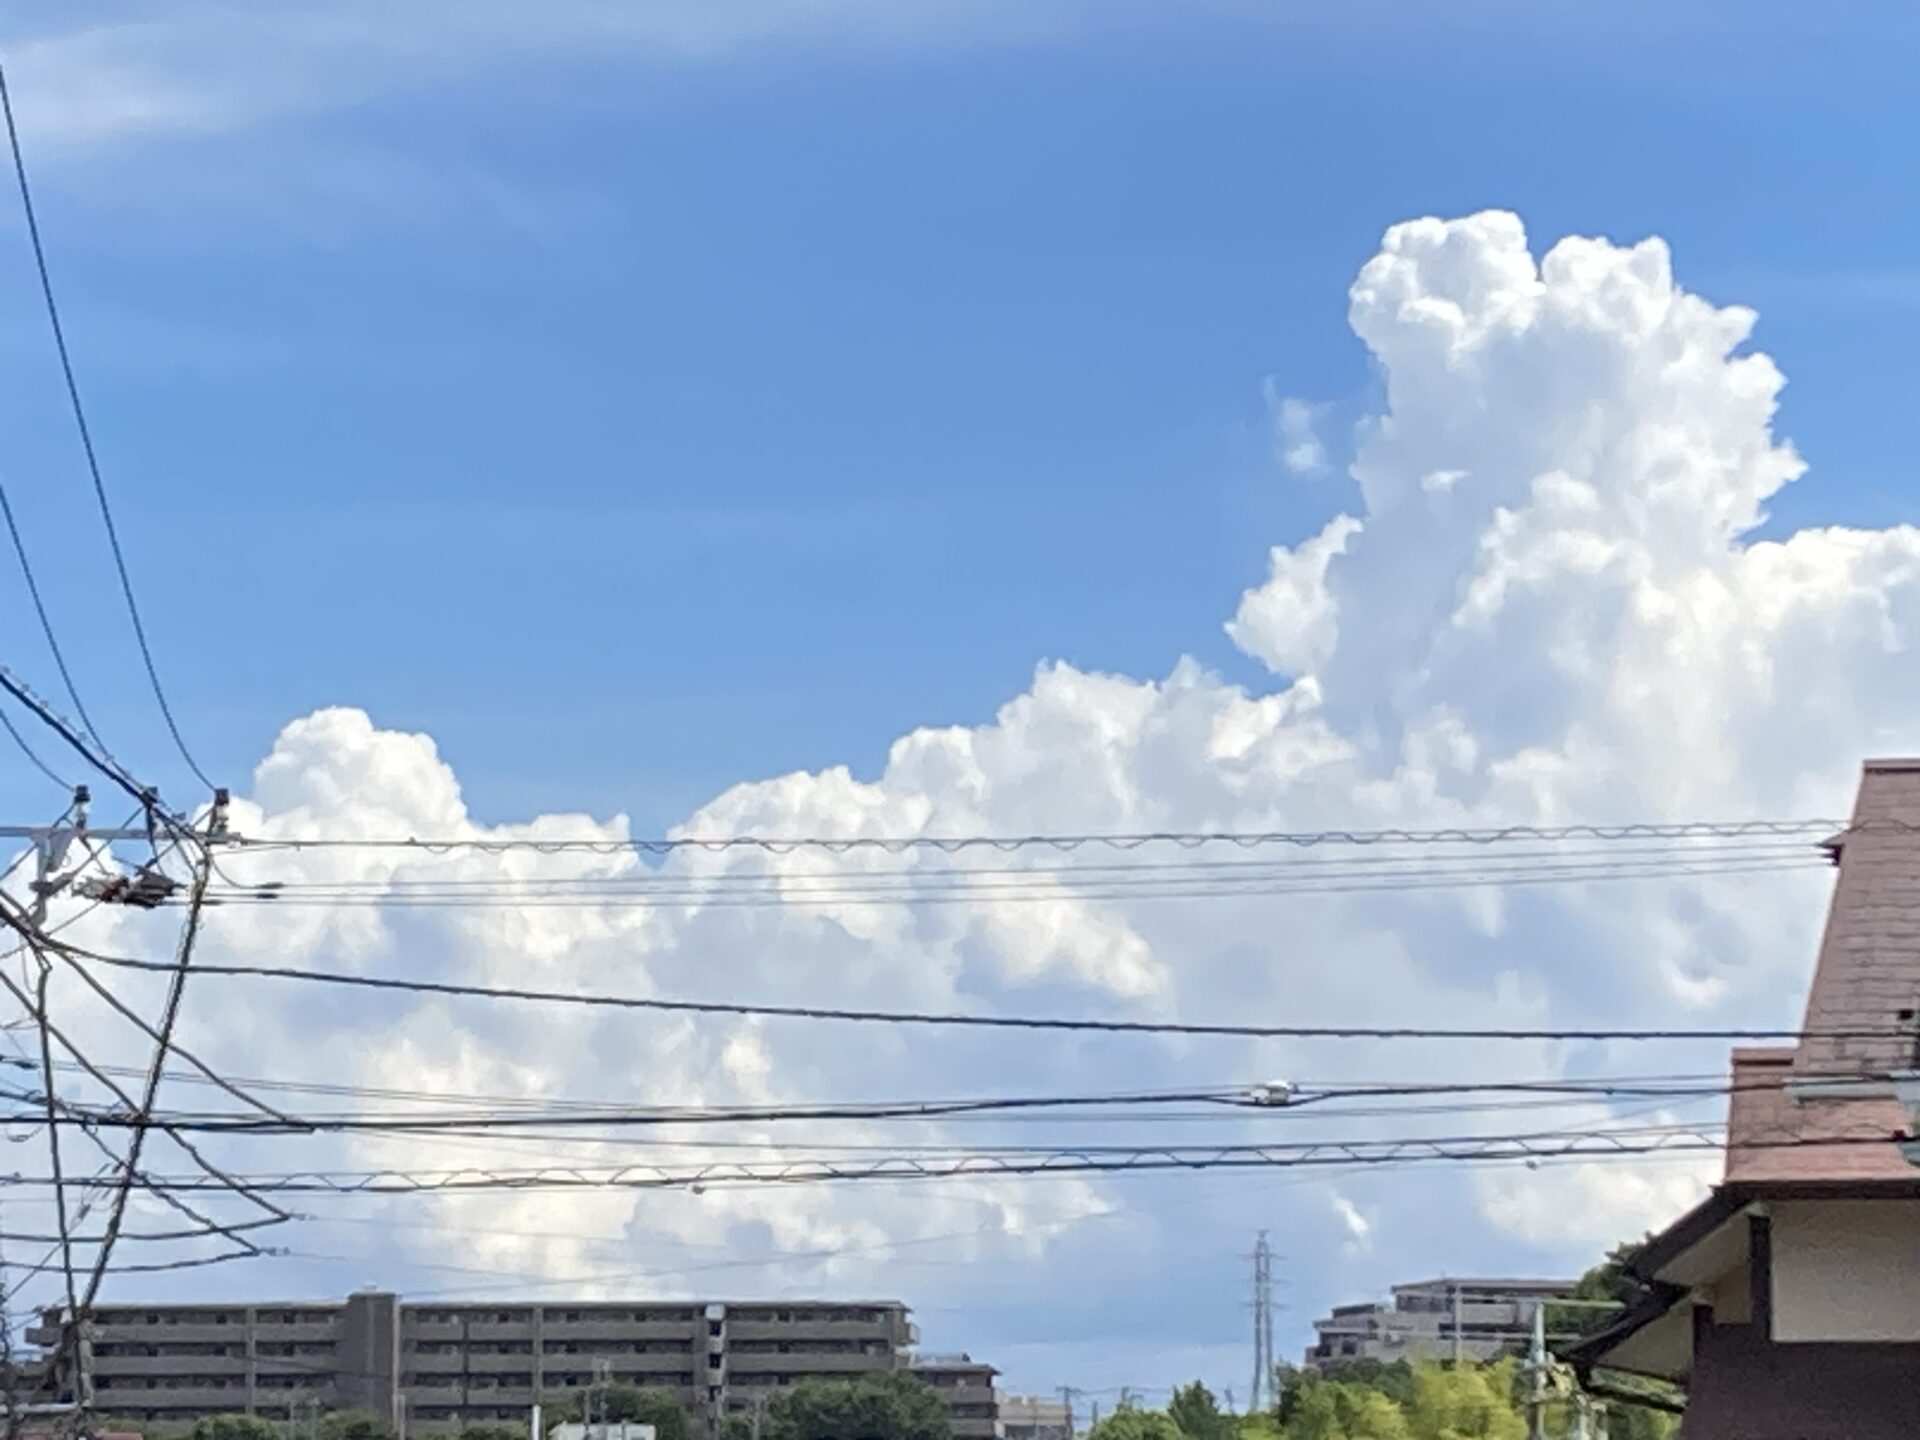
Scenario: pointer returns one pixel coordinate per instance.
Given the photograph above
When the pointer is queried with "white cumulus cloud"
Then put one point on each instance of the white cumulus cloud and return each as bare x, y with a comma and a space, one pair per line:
1574, 623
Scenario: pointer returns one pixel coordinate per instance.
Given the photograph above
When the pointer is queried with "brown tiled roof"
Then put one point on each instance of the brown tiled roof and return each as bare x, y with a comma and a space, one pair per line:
1764, 1121
1868, 977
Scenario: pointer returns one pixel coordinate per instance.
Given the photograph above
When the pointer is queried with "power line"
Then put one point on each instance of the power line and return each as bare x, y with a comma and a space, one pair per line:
95, 755
1242, 1099
786, 877
989, 1165
143, 1114
33, 756
40, 609
1003, 1022
1040, 885
86, 434
1134, 840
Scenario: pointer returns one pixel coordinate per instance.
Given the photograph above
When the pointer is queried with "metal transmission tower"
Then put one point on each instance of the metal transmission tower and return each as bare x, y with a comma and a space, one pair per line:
1262, 1396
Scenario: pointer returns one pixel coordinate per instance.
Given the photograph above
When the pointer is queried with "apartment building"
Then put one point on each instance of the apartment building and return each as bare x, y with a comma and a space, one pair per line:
1033, 1417
967, 1386
442, 1366
1448, 1318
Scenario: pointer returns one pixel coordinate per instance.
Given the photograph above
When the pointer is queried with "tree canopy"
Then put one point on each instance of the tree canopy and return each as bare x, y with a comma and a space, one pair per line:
1127, 1423
1197, 1415
354, 1425
234, 1427
638, 1404
890, 1405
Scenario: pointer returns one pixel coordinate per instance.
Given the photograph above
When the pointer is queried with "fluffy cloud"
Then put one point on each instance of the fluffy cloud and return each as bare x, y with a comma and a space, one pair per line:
1543, 603
1298, 443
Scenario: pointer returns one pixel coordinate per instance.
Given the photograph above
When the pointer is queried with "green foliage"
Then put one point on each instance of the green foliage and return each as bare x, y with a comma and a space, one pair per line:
1324, 1409
1608, 1282
234, 1427
1393, 1379
1131, 1424
1465, 1403
1197, 1415
492, 1430
890, 1405
354, 1425
635, 1404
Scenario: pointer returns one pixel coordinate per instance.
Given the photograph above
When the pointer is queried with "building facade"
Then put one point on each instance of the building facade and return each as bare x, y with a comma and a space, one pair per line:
441, 1366
967, 1386
1448, 1318
1033, 1417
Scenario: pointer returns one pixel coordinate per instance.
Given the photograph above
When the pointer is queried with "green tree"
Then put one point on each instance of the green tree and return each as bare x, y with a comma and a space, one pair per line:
1198, 1415
1127, 1423
890, 1405
354, 1425
1392, 1378
633, 1404
492, 1430
1467, 1402
234, 1427
1342, 1410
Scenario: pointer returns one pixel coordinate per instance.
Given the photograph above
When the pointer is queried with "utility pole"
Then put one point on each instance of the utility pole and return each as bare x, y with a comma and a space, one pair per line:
54, 847
1537, 1377
7, 1371
602, 1383
1458, 1342
1262, 1394
1069, 1394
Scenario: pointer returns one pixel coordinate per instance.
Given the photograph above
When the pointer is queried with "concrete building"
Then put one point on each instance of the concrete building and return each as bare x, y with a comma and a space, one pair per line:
967, 1386
1787, 1303
446, 1365
1448, 1318
1031, 1417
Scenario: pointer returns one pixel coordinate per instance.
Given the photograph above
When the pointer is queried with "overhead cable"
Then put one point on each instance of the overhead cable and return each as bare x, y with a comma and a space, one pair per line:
1130, 840
1002, 1022
993, 1165
86, 433
40, 609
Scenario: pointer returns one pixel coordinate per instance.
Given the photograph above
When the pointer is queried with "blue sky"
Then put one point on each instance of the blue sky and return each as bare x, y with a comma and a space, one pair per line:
733, 413
640, 412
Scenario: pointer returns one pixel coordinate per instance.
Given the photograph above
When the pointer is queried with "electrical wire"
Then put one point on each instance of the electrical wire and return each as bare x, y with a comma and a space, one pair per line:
33, 756
994, 1164
86, 434
1039, 885
97, 757
40, 608
1009, 1022
1137, 1103
1132, 840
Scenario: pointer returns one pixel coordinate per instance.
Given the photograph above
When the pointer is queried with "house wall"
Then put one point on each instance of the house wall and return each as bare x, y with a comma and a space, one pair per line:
1744, 1388
1846, 1270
